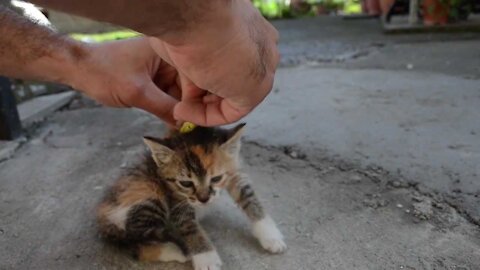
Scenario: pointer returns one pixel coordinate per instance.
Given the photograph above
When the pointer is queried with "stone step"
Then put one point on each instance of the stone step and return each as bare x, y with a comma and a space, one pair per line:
38, 108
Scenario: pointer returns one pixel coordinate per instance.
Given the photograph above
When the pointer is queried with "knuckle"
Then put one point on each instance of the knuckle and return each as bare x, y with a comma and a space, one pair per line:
275, 53
269, 83
135, 93
164, 112
276, 35
277, 58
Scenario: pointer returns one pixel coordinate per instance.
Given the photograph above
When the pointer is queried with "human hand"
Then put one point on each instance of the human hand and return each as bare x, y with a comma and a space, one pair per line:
226, 64
127, 73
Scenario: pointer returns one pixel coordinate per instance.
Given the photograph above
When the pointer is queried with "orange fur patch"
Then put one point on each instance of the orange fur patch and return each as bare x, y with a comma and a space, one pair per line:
102, 210
150, 253
137, 191
207, 159
198, 150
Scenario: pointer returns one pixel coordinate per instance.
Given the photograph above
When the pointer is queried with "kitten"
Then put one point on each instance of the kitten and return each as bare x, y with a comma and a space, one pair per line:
152, 208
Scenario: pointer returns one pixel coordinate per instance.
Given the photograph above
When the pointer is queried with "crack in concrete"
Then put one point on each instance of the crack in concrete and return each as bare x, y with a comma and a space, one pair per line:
376, 174
317, 55
462, 212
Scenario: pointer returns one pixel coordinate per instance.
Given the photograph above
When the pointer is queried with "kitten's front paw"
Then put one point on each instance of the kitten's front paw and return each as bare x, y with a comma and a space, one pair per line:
207, 261
269, 236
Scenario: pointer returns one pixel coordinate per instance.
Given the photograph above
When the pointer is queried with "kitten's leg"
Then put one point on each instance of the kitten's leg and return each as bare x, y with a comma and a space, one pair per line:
194, 239
263, 227
145, 223
151, 220
164, 252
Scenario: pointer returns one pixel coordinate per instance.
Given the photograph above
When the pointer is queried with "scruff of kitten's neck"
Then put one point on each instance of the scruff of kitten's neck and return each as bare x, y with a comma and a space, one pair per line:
196, 165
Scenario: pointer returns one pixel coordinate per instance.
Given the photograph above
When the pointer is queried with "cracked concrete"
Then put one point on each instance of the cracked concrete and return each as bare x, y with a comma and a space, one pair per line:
359, 44
364, 161
422, 126
49, 190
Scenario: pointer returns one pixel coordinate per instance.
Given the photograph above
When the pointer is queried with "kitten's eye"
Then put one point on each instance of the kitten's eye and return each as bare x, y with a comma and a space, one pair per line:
187, 184
216, 179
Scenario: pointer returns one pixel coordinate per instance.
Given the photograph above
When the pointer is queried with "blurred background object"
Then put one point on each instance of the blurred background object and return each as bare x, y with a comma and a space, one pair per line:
393, 13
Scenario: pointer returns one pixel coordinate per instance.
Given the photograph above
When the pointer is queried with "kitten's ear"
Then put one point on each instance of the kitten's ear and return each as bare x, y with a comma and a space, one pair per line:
161, 154
233, 142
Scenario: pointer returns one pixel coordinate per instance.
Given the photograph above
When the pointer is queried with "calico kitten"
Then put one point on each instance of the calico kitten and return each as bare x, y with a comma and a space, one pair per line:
152, 208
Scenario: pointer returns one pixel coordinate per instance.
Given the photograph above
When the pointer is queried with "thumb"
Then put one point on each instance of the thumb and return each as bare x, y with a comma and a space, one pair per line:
157, 102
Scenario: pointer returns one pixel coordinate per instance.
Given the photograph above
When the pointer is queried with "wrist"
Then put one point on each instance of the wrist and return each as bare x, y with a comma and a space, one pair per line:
61, 63
68, 61
204, 25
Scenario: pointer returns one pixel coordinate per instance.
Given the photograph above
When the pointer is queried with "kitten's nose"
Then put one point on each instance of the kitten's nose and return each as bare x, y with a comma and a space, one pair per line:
203, 199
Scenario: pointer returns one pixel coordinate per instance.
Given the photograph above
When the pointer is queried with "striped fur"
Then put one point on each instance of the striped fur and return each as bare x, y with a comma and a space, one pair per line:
151, 208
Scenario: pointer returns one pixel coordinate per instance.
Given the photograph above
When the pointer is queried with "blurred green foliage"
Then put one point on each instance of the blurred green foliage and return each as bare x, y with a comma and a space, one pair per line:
283, 8
458, 9
108, 36
271, 9
352, 7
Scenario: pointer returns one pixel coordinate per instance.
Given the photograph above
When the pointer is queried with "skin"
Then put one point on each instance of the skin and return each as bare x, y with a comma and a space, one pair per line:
206, 62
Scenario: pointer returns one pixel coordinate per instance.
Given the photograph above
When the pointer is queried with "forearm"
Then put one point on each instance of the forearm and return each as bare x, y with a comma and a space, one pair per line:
30, 51
167, 19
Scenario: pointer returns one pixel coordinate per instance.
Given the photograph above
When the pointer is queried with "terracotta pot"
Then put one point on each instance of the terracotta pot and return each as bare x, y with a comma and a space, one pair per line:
385, 6
300, 6
320, 9
364, 6
373, 7
435, 12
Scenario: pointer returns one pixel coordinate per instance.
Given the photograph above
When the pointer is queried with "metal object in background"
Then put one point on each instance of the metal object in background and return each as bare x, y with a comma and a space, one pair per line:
10, 126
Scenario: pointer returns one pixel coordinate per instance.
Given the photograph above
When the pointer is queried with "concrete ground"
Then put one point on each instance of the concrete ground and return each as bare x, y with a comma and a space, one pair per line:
366, 154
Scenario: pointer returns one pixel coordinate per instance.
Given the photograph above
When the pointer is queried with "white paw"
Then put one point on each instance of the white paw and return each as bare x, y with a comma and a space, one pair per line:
269, 236
207, 261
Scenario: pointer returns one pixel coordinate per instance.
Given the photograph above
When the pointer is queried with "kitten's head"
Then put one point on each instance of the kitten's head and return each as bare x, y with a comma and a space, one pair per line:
195, 164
